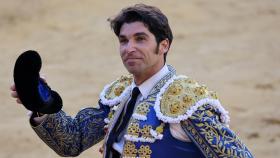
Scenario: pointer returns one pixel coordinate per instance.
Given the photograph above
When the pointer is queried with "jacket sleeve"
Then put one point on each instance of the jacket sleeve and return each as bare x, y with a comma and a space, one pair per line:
69, 136
212, 137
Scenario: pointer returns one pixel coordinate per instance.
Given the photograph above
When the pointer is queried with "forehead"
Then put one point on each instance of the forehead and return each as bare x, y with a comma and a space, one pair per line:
130, 29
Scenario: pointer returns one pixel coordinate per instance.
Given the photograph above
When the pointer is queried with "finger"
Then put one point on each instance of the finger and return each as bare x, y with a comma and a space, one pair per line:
14, 94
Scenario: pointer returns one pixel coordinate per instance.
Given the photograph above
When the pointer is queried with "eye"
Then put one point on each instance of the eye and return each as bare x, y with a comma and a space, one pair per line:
140, 38
123, 40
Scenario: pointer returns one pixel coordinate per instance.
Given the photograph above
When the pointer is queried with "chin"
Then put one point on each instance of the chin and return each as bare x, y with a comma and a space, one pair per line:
132, 70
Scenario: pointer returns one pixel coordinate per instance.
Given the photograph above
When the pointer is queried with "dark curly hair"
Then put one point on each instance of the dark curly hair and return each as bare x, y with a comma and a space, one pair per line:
151, 17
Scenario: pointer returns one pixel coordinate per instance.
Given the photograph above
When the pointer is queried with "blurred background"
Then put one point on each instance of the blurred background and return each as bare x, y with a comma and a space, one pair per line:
230, 45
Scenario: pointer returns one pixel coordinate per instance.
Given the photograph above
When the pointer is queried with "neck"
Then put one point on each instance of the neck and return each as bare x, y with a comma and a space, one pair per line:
142, 77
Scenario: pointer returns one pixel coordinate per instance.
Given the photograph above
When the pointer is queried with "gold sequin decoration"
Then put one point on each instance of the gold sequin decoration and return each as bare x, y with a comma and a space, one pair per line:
130, 149
190, 81
117, 88
188, 101
200, 91
214, 95
133, 129
145, 151
145, 131
175, 107
159, 129
143, 109
181, 94
175, 89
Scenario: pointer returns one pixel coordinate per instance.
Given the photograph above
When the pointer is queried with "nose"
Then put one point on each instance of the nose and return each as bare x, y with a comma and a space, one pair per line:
129, 47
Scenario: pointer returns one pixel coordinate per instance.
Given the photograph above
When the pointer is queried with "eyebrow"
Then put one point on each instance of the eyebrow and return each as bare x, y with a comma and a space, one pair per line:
140, 34
136, 34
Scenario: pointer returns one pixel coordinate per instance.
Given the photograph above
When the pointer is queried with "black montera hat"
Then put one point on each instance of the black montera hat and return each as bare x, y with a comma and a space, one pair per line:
33, 92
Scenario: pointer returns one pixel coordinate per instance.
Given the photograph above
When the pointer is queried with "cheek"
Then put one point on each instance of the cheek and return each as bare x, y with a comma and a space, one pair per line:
122, 52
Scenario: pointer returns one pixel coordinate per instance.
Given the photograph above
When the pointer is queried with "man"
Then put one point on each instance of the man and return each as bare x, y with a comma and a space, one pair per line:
152, 113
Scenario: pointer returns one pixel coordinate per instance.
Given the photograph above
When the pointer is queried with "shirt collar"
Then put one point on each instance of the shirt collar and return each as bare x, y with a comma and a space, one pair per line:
147, 85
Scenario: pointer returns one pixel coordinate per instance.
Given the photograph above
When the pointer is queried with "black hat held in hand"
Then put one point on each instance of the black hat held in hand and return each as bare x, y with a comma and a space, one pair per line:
33, 92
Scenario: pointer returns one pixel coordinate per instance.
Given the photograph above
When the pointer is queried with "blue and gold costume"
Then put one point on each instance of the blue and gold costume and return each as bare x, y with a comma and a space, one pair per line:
173, 100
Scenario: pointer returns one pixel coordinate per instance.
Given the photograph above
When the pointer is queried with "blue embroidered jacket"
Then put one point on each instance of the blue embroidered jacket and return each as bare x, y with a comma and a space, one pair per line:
148, 133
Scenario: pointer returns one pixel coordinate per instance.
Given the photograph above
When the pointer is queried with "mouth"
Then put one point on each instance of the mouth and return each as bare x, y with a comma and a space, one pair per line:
131, 62
131, 59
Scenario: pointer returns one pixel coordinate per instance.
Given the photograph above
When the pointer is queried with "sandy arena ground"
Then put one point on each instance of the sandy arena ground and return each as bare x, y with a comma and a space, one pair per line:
230, 45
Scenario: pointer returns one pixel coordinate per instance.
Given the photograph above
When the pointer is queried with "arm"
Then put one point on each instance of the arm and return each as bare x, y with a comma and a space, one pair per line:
211, 136
70, 136
65, 135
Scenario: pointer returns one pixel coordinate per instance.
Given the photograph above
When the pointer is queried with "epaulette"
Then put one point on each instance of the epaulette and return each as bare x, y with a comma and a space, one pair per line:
181, 96
114, 93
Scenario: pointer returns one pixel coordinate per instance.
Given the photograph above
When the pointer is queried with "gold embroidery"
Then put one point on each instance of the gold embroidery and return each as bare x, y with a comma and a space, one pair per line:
181, 94
145, 151
188, 101
146, 131
159, 129
200, 91
175, 107
190, 81
130, 149
133, 129
117, 88
213, 138
143, 108
175, 89
214, 94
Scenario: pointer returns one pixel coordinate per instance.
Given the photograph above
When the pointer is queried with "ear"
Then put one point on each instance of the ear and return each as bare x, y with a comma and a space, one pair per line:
163, 46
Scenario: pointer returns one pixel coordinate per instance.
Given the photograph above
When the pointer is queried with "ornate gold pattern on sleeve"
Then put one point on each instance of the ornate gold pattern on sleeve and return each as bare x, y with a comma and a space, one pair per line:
69, 136
213, 137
